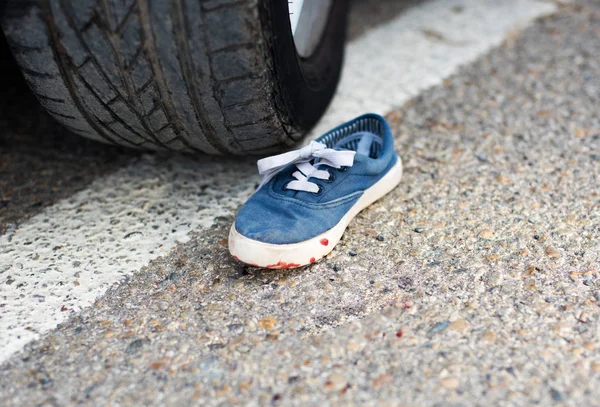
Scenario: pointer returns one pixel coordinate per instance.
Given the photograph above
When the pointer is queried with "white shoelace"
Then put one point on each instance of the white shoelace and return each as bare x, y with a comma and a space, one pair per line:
270, 166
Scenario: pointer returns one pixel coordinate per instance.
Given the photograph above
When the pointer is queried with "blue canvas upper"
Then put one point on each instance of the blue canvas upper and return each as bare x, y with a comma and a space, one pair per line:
278, 215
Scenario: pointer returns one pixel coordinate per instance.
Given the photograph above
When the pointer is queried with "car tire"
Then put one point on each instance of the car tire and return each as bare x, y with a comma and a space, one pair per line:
210, 76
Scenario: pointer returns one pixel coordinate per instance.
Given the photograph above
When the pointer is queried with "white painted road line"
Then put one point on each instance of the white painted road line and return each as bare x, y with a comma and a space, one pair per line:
59, 261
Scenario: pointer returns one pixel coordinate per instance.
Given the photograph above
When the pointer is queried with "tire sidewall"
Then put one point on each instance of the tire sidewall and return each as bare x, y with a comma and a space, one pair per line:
307, 85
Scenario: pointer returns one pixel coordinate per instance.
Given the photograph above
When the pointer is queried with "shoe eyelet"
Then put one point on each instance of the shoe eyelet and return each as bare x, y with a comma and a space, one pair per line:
331, 177
319, 192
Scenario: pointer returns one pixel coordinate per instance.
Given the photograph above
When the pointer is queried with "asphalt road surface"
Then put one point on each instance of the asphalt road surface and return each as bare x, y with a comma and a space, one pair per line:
475, 282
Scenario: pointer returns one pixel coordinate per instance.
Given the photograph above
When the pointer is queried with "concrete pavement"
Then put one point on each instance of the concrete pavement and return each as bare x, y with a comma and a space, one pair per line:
475, 282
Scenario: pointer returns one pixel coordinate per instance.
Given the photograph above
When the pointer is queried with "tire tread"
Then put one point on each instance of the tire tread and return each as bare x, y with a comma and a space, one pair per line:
111, 70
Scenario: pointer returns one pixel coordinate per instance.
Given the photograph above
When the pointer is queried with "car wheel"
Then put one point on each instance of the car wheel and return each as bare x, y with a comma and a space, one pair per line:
211, 76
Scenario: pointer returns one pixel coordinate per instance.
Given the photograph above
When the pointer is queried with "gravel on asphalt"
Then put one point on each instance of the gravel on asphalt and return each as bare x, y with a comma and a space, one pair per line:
495, 298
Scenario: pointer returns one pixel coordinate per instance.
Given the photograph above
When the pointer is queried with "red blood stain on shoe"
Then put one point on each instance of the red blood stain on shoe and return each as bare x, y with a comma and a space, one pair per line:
282, 265
312, 260
399, 334
324, 242
290, 265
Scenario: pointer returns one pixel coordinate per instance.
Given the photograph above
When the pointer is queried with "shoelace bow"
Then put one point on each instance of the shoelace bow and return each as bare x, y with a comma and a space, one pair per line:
270, 166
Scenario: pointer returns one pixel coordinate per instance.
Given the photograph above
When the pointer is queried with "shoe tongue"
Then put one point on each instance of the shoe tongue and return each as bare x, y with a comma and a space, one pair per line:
364, 145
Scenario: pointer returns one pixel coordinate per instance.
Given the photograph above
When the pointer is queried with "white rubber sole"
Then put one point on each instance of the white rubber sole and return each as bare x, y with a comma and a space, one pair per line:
283, 256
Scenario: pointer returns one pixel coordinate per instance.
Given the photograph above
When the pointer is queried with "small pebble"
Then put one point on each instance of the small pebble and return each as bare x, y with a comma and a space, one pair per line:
136, 345
551, 252
439, 327
589, 346
481, 157
419, 230
459, 325
267, 323
503, 179
486, 234
557, 395
237, 328
381, 380
450, 383
46, 382
380, 238
489, 337
352, 252
243, 348
371, 232
336, 381
405, 283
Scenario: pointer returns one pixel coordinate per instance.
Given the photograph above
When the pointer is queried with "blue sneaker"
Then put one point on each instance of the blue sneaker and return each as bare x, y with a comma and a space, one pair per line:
307, 197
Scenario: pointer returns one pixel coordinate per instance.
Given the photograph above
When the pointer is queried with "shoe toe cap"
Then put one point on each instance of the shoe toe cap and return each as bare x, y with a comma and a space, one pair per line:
269, 226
